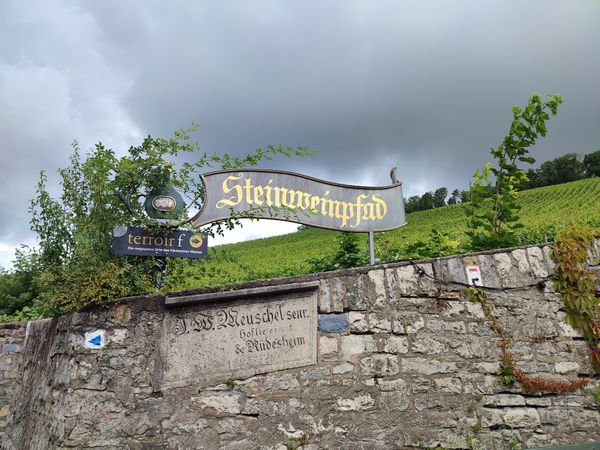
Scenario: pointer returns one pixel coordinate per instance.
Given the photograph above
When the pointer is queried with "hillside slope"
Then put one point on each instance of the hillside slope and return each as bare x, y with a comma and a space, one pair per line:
543, 211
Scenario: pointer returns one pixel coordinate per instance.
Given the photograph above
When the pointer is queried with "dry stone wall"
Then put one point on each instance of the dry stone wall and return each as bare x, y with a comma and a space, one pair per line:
388, 357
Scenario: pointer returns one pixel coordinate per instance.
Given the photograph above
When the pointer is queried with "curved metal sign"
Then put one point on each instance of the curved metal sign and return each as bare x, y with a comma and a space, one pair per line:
298, 198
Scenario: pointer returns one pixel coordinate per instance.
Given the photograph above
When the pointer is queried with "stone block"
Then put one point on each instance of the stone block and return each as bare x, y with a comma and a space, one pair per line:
380, 323
489, 275
450, 270
11, 348
222, 402
566, 367
378, 292
330, 296
503, 400
379, 365
540, 440
448, 385
427, 366
557, 417
284, 383
520, 258
491, 418
550, 264
538, 401
327, 345
521, 418
428, 345
357, 292
445, 326
342, 368
472, 347
537, 263
402, 282
427, 284
453, 309
394, 401
333, 323
392, 385
356, 344
429, 403
121, 314
396, 344
409, 324
358, 322
359, 403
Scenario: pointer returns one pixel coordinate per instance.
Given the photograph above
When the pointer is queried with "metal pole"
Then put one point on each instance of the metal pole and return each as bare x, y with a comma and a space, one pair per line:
372, 247
161, 265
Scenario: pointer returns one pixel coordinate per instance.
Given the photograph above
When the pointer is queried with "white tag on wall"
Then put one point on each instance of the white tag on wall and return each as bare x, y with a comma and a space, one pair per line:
474, 275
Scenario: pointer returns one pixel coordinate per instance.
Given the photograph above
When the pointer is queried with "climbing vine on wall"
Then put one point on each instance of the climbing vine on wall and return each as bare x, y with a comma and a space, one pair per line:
578, 286
509, 373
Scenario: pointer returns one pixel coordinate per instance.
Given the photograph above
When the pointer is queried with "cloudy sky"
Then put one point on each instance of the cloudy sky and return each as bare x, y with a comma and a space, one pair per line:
427, 86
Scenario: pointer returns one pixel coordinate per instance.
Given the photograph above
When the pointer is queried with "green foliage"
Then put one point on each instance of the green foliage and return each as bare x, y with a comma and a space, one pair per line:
76, 267
19, 288
230, 383
513, 444
25, 313
506, 376
563, 169
591, 164
596, 395
493, 213
348, 254
577, 285
428, 200
438, 244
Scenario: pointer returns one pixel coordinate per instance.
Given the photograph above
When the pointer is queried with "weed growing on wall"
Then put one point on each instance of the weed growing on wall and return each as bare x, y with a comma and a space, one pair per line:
578, 285
493, 212
508, 372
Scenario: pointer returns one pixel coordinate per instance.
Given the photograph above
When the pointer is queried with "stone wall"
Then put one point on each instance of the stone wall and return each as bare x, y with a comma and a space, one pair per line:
11, 343
401, 361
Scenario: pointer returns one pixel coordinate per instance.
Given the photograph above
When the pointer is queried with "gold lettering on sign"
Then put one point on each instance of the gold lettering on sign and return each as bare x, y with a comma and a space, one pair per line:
350, 214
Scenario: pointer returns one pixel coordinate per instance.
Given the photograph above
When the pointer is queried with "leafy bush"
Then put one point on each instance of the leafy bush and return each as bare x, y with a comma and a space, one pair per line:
348, 254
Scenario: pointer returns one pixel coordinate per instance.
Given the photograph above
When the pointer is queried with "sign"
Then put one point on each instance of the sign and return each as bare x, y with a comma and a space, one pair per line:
141, 242
298, 198
94, 339
239, 338
474, 275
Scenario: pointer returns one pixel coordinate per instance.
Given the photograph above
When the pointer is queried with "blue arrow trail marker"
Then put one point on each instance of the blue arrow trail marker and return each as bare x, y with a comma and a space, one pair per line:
94, 339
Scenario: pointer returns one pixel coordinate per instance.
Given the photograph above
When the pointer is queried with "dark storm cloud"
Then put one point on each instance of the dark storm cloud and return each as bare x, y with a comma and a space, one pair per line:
427, 86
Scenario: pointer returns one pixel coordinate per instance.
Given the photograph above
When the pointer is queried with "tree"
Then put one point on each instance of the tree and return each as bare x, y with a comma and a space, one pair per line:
465, 196
455, 197
591, 164
426, 201
493, 212
18, 288
439, 197
563, 169
101, 191
412, 204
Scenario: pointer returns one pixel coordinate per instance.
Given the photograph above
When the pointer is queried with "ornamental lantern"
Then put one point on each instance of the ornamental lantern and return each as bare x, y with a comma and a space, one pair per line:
163, 202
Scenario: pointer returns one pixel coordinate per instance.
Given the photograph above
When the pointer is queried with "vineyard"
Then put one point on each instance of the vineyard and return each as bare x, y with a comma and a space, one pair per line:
544, 210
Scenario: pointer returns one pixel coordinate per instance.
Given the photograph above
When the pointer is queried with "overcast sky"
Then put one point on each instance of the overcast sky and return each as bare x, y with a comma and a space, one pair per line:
427, 86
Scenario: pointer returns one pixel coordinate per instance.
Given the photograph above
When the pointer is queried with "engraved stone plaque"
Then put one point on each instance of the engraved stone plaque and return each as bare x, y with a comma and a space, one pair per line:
209, 343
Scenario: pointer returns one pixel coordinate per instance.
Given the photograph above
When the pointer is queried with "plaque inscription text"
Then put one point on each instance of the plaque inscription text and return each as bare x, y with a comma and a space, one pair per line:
240, 338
